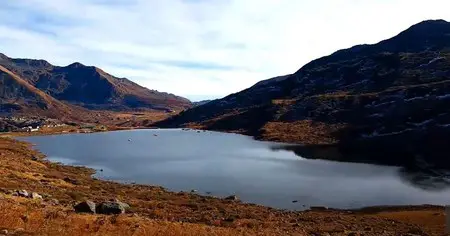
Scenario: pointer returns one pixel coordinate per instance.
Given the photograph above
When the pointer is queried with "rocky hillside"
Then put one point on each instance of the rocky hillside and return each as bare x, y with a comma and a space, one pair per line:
88, 86
19, 96
388, 103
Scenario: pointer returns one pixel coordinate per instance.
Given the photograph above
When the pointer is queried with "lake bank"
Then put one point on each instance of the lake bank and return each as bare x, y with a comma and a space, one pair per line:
221, 164
20, 171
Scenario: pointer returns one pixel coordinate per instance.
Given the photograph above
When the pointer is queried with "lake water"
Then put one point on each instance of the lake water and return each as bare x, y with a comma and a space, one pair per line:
223, 164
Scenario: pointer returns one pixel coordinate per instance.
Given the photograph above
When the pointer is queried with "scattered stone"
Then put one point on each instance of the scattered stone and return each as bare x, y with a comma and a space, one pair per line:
85, 207
194, 191
318, 208
109, 208
232, 198
22, 193
416, 231
24, 218
35, 195
72, 181
124, 205
320, 234
54, 202
46, 195
34, 158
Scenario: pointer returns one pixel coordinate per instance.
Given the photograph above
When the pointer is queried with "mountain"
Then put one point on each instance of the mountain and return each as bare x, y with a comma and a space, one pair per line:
386, 103
199, 103
17, 95
89, 87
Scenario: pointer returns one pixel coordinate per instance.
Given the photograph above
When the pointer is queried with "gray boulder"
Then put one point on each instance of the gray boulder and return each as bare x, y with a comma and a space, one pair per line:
111, 208
22, 193
232, 198
85, 207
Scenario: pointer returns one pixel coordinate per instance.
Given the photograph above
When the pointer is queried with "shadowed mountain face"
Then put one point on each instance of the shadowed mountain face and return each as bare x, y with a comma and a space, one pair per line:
89, 86
389, 100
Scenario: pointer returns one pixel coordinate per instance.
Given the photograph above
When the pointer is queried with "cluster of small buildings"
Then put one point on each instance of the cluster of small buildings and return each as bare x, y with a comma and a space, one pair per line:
27, 124
30, 129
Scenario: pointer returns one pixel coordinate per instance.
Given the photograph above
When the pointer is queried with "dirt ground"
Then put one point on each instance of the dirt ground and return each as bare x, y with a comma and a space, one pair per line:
156, 211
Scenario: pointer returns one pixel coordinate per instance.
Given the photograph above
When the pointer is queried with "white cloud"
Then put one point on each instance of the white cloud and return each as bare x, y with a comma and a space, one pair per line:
200, 47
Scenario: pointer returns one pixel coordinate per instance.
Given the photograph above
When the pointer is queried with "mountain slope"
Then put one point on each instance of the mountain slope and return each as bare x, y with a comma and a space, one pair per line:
90, 87
18, 96
388, 102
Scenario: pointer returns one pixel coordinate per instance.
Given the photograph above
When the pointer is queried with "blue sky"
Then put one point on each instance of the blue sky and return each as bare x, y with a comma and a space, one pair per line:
201, 48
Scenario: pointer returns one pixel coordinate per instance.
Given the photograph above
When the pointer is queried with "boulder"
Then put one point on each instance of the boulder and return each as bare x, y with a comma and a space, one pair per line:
232, 198
124, 205
85, 207
22, 193
111, 208
72, 181
35, 195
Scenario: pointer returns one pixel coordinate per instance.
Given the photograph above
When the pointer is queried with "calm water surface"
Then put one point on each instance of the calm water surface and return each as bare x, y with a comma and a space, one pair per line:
226, 164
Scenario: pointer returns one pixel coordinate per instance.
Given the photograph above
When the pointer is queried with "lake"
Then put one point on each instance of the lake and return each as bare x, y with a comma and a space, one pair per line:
222, 164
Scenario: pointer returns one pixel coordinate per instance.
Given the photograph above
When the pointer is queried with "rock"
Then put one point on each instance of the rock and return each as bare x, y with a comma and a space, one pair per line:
352, 234
72, 181
34, 158
124, 205
318, 208
22, 193
85, 207
35, 195
295, 201
232, 198
109, 208
4, 232
193, 191
54, 202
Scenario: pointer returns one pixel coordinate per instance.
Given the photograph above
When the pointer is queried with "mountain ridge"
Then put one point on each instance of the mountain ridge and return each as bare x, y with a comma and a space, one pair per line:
387, 99
90, 87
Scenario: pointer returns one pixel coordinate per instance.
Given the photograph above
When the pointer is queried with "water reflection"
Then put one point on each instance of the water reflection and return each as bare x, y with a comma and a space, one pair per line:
415, 174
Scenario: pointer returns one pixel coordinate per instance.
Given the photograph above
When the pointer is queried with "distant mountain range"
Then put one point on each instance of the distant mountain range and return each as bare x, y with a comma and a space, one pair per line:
388, 103
199, 103
36, 85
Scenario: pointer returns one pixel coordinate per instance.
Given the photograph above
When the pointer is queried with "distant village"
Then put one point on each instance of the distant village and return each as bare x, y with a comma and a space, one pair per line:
27, 124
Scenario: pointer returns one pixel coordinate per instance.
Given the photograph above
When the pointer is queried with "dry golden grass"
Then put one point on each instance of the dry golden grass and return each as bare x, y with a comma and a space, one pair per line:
34, 218
304, 131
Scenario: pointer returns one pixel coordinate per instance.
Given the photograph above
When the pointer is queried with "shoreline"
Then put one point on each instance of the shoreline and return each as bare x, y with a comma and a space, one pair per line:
157, 203
369, 208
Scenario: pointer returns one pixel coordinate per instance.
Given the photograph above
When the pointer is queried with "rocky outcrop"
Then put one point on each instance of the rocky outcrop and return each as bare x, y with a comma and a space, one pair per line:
85, 207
